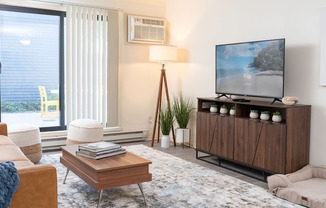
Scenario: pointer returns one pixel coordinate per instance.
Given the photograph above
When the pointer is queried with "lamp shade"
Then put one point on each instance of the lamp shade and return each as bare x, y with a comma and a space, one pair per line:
162, 53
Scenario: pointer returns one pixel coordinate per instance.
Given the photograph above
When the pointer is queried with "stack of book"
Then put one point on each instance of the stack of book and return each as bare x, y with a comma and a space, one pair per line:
99, 150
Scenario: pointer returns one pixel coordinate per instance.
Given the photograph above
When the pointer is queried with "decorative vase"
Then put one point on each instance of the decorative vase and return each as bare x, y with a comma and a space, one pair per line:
165, 141
223, 110
276, 118
253, 114
182, 135
232, 112
213, 109
264, 116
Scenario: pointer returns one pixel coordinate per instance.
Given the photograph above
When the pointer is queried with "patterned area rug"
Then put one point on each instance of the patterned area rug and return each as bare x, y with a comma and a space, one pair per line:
175, 183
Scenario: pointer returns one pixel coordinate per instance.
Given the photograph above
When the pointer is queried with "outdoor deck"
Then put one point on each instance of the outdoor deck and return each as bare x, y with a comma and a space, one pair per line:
30, 118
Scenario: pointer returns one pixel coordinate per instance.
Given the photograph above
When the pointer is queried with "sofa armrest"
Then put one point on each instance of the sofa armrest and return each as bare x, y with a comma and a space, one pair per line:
3, 129
37, 187
278, 181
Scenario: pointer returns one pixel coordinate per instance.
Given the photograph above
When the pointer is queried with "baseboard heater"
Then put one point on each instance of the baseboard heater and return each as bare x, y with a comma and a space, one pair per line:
52, 141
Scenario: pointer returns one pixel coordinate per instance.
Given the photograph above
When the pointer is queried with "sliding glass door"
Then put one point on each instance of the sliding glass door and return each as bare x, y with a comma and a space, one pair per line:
31, 42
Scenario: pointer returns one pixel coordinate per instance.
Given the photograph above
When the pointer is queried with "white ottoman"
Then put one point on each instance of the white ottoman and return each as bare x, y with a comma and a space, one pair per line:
28, 138
82, 131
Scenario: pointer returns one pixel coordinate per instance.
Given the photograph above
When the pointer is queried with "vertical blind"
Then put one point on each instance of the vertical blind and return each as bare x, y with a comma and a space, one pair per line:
86, 63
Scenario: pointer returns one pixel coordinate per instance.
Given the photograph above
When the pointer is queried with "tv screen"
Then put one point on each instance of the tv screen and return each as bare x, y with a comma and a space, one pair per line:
251, 69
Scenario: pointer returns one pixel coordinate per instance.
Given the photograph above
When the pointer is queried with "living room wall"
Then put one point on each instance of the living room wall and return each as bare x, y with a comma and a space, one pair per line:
138, 78
197, 26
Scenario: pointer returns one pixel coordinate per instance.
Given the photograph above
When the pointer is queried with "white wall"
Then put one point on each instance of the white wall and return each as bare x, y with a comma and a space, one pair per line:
138, 77
198, 26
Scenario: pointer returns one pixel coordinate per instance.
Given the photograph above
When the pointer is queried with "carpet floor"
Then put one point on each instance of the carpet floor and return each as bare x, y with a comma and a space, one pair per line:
175, 183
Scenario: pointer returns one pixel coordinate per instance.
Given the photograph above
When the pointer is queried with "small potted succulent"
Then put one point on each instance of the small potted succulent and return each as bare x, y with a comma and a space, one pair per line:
223, 109
277, 116
213, 109
264, 115
253, 114
232, 111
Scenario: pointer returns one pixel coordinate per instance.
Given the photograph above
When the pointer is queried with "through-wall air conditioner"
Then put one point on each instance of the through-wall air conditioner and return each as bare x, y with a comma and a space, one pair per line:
149, 30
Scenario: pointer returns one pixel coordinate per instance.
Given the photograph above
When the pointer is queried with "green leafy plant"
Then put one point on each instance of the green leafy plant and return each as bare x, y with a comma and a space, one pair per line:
277, 113
19, 107
182, 108
233, 107
254, 111
166, 120
223, 106
265, 112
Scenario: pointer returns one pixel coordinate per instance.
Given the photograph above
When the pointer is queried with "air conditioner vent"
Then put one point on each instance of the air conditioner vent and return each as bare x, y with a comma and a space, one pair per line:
146, 30
153, 22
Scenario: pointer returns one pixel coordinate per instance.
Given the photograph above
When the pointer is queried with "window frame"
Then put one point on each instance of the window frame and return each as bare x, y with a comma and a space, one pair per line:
61, 15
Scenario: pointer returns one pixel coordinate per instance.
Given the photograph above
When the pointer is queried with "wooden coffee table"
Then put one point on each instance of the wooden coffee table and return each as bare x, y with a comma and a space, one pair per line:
110, 172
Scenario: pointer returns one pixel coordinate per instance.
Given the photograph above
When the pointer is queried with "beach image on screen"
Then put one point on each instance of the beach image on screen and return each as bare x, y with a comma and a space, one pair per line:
252, 69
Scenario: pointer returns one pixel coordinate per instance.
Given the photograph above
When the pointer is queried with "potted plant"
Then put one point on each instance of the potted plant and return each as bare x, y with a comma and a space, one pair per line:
166, 123
253, 114
182, 109
276, 117
264, 115
213, 109
223, 109
232, 111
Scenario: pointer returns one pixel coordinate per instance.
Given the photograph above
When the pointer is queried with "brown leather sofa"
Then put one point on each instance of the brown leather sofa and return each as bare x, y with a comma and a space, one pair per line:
38, 183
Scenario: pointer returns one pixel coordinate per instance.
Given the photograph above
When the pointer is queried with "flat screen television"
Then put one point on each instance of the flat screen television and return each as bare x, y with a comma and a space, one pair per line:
254, 69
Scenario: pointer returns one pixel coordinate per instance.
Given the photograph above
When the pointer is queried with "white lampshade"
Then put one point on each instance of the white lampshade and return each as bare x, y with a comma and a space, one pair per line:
162, 53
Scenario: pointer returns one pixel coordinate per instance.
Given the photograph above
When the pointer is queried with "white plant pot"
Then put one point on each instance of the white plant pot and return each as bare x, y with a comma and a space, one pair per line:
253, 115
223, 110
276, 118
165, 141
264, 116
182, 135
232, 112
213, 109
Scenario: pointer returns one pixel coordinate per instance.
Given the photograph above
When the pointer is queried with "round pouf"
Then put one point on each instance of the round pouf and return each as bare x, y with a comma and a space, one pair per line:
82, 131
28, 138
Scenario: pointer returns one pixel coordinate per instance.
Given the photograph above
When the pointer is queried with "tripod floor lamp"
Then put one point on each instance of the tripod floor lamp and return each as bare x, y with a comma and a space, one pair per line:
162, 54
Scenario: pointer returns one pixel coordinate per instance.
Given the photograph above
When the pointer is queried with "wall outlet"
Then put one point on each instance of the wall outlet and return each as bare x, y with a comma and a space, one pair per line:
150, 121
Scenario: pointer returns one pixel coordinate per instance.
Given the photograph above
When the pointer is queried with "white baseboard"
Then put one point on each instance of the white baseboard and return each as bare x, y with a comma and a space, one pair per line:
55, 139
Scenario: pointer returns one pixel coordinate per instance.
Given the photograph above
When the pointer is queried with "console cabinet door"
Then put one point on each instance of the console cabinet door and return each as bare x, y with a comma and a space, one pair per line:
215, 134
246, 139
270, 154
260, 144
205, 132
224, 136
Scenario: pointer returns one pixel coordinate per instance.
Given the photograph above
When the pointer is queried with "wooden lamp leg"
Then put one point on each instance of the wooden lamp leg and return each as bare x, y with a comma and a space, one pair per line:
158, 107
169, 106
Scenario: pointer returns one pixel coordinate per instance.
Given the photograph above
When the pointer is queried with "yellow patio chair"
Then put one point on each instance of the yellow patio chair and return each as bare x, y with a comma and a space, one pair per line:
45, 104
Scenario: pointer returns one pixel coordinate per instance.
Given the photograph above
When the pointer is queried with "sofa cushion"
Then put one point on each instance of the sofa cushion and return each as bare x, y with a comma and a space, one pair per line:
14, 154
23, 164
6, 141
